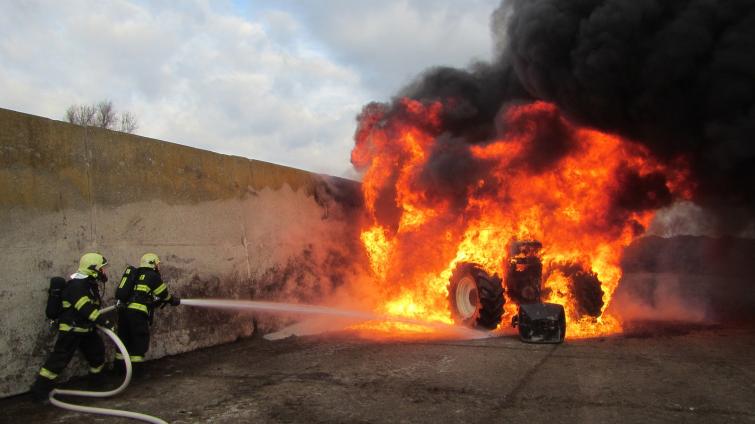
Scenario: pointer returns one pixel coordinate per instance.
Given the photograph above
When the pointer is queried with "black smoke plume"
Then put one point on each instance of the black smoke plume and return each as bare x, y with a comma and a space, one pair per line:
675, 76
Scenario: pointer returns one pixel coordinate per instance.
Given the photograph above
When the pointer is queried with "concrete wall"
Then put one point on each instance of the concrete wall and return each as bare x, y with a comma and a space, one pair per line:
224, 227
688, 278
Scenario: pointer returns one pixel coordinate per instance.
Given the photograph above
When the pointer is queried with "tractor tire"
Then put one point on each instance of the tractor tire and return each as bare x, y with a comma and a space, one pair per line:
586, 288
475, 297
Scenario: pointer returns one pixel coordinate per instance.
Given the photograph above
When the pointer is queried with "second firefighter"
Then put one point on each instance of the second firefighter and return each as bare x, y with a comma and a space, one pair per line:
139, 292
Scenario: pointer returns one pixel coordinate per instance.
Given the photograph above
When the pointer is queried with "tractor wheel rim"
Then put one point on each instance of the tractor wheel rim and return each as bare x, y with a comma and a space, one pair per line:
467, 298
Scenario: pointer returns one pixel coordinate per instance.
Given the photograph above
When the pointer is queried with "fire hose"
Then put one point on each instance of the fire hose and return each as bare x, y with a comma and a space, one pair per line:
119, 389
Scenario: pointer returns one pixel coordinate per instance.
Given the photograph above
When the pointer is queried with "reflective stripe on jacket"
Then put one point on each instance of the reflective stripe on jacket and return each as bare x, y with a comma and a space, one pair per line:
81, 304
148, 285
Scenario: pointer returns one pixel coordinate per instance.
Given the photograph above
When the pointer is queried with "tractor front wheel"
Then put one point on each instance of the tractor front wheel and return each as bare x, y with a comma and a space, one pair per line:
475, 297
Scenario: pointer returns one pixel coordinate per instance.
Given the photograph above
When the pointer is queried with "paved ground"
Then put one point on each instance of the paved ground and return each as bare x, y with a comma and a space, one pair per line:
679, 374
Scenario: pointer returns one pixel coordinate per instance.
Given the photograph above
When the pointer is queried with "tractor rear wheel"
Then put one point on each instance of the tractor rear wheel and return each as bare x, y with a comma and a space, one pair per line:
475, 297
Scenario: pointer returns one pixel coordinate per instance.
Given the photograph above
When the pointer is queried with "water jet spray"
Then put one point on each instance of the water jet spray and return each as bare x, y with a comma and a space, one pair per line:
272, 307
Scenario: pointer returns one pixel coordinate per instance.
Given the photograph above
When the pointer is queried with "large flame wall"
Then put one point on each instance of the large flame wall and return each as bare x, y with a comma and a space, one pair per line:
436, 201
224, 226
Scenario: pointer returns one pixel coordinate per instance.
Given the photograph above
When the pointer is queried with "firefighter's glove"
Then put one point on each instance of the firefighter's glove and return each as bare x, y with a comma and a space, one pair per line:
175, 301
104, 322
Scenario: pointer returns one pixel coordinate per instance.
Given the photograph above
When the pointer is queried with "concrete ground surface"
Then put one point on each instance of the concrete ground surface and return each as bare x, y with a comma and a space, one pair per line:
672, 374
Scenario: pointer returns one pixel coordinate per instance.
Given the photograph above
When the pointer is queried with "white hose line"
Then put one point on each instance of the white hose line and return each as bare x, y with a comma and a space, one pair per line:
122, 387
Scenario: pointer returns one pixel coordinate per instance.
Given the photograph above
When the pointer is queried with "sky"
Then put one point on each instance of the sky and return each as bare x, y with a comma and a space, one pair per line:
277, 81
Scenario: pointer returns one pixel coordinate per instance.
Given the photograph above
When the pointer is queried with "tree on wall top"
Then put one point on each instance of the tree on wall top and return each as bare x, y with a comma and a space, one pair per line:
102, 115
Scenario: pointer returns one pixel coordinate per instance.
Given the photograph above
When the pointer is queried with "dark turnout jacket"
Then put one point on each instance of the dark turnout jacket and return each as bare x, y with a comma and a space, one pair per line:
148, 285
81, 305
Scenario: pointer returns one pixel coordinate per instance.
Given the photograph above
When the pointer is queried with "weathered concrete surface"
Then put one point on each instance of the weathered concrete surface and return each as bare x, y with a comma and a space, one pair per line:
677, 296
688, 278
224, 227
675, 374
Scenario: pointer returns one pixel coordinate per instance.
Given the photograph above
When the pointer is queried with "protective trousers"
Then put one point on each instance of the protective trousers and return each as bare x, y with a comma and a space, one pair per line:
66, 345
133, 330
68, 342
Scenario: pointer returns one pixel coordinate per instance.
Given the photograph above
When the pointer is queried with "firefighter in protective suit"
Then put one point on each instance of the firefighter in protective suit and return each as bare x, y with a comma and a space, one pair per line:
76, 326
139, 292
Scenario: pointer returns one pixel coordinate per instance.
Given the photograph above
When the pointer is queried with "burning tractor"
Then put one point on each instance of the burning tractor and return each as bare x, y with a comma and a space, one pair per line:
476, 298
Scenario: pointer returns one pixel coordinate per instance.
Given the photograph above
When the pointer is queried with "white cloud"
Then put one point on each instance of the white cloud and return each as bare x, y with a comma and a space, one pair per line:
392, 41
281, 84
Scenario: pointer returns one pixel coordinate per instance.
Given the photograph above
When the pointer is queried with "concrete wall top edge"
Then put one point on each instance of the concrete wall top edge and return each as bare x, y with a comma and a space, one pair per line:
53, 165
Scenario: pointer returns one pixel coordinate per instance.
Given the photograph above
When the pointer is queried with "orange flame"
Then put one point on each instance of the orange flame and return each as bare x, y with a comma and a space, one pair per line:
417, 234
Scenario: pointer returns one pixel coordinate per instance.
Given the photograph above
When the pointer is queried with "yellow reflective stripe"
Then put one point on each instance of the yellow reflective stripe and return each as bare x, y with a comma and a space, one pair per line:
118, 356
81, 302
125, 277
65, 327
136, 358
142, 287
96, 370
93, 316
66, 304
161, 288
44, 372
141, 277
138, 307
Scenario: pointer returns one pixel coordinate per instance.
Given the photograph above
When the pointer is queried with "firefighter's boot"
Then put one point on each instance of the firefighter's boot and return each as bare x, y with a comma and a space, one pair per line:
40, 390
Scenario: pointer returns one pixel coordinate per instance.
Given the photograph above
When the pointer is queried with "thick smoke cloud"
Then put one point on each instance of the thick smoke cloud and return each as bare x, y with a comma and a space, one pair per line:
473, 97
675, 76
